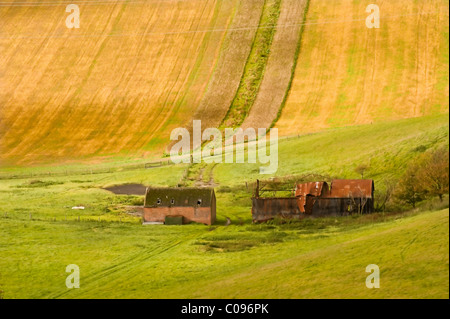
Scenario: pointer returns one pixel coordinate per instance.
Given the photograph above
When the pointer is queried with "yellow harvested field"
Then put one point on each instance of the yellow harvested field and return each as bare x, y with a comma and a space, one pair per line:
131, 73
349, 74
137, 69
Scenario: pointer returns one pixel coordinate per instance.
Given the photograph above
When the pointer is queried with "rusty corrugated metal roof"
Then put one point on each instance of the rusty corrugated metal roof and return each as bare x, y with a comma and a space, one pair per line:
312, 188
346, 188
307, 192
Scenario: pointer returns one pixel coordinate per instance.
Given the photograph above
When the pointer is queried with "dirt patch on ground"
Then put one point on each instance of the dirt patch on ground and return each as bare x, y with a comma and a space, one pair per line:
127, 189
135, 210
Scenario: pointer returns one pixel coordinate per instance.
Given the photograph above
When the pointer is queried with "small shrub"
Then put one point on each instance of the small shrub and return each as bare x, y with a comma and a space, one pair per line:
224, 189
426, 177
419, 149
38, 183
260, 227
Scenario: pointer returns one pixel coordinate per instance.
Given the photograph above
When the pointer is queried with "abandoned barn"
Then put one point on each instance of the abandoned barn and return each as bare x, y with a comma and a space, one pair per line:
186, 204
317, 199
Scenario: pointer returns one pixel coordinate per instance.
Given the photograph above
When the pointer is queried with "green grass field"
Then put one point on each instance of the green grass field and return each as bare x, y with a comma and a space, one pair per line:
321, 258
310, 259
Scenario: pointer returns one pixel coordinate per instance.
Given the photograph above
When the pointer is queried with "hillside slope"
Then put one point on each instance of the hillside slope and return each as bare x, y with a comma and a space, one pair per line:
386, 148
401, 249
136, 70
314, 258
348, 74
321, 259
131, 73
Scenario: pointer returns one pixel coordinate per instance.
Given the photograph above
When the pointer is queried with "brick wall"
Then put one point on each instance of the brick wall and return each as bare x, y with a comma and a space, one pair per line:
190, 214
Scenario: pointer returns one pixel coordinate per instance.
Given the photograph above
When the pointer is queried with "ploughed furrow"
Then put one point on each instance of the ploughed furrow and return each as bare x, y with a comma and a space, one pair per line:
255, 65
280, 66
230, 65
201, 73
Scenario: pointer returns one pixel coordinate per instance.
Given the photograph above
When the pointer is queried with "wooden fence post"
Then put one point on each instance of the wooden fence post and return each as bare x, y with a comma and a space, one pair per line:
257, 188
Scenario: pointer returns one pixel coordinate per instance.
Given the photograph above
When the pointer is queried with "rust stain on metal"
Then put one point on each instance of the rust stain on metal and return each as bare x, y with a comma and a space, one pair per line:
347, 188
307, 193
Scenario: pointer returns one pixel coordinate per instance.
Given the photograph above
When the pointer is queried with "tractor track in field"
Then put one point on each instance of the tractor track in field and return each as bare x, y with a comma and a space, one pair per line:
280, 66
95, 279
255, 66
423, 232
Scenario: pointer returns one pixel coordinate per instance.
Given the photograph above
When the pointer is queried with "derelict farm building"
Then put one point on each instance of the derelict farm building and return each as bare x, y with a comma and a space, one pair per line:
192, 204
317, 199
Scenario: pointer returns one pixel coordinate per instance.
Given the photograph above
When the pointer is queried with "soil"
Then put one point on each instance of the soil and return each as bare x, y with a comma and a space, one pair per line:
127, 189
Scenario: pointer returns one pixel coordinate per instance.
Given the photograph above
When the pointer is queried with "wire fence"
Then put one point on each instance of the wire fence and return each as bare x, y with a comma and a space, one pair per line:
86, 171
120, 168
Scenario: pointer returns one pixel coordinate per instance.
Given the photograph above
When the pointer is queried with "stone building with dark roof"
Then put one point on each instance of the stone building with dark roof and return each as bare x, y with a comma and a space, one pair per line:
192, 204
